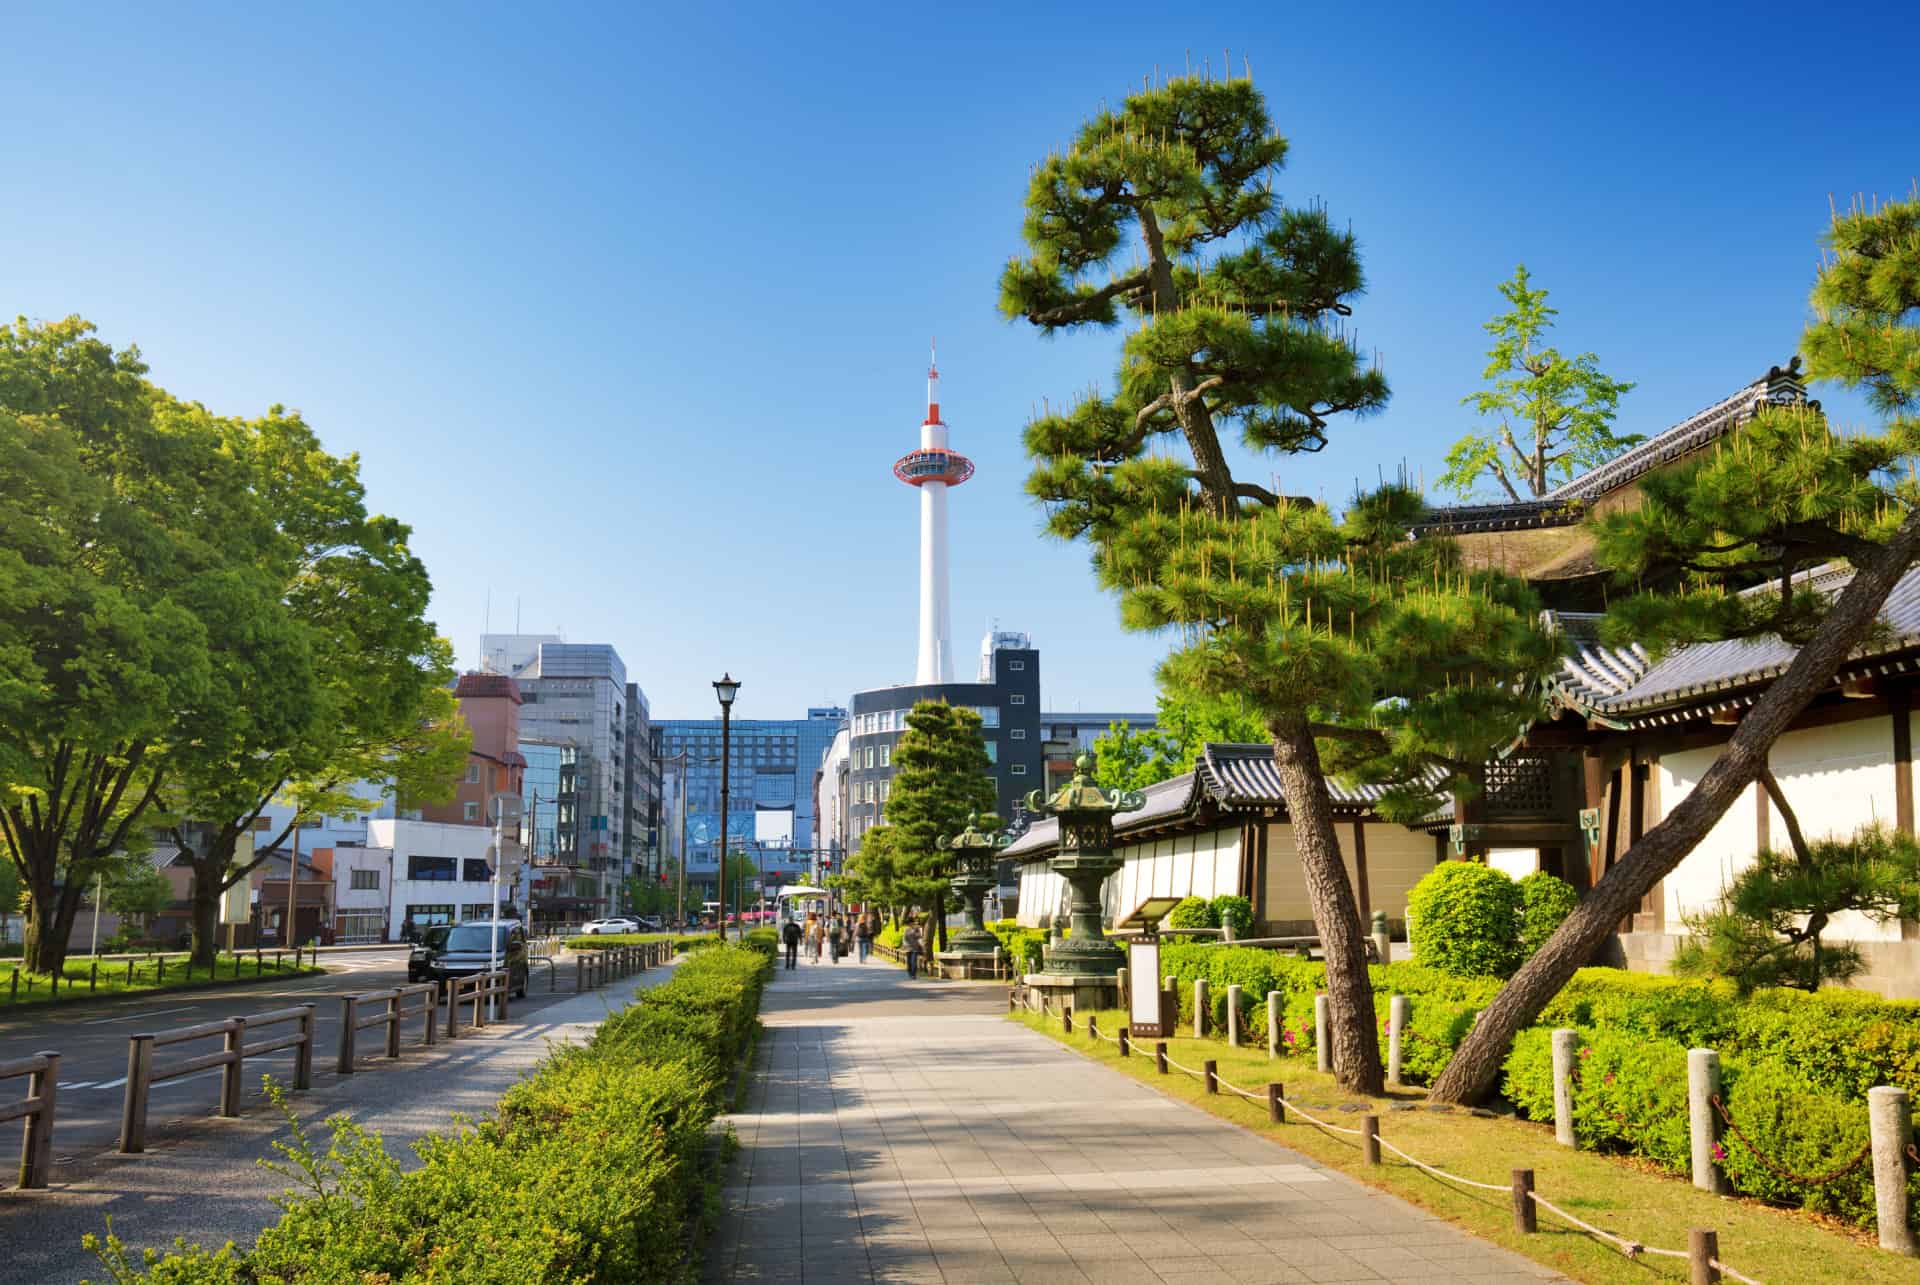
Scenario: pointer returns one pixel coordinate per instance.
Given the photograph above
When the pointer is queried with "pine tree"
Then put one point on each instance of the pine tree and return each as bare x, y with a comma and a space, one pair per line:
941, 774
1363, 654
1784, 495
1552, 414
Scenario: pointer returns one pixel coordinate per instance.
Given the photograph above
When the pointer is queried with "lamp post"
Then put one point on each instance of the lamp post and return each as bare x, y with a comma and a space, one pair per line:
972, 874
1085, 859
726, 688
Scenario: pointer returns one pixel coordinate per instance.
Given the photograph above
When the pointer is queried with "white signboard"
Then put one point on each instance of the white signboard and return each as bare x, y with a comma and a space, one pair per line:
1143, 980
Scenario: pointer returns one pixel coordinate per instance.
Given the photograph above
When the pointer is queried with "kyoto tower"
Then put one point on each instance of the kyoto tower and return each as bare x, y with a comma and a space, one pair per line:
933, 468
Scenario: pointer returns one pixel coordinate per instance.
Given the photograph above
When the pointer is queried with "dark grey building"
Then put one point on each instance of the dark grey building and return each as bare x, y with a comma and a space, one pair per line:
1007, 698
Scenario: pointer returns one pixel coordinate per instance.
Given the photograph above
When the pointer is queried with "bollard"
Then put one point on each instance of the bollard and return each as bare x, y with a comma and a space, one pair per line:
36, 1147
1703, 1246
1126, 1042
1233, 1017
1703, 1085
1322, 1055
133, 1108
1564, 1041
234, 1044
1888, 1125
349, 1019
1119, 978
1093, 1028
1276, 1108
1066, 1019
1273, 1024
1210, 1075
1382, 939
1170, 983
1399, 1012
1199, 1008
303, 1051
1370, 1138
1525, 1217
1160, 1056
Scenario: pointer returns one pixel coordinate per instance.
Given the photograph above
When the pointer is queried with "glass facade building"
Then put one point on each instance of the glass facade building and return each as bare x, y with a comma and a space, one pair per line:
771, 802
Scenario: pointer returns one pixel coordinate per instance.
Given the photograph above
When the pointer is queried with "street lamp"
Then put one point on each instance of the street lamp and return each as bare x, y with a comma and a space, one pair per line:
726, 688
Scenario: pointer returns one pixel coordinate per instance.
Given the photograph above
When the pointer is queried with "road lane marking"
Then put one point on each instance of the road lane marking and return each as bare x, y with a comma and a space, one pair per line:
111, 1084
75, 1084
136, 1017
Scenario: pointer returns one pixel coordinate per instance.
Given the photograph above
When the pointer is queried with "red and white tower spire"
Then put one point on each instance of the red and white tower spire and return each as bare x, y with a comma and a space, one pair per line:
933, 468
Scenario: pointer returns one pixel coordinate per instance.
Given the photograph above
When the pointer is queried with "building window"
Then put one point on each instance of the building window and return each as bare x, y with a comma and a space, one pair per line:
1016, 769
475, 870
1016, 699
886, 756
989, 716
476, 910
427, 916
993, 751
1015, 666
470, 811
1017, 734
869, 756
886, 788
366, 881
434, 870
473, 774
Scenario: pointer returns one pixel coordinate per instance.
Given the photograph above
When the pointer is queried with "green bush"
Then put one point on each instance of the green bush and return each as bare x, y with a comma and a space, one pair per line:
1193, 912
1463, 919
1022, 945
1844, 1042
1237, 912
890, 935
1629, 1094
764, 940
590, 1170
607, 941
1545, 900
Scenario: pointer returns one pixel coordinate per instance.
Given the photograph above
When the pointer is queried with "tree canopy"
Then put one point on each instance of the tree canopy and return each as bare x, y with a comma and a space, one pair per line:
1550, 415
1126, 759
941, 775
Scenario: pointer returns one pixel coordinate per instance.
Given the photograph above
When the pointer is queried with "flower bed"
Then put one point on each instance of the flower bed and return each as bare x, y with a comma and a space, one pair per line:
592, 1169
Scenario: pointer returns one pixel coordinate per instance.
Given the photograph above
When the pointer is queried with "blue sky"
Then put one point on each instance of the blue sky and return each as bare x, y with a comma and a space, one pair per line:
626, 311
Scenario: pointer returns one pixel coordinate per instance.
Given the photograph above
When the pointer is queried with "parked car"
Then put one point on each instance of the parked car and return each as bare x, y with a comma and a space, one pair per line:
425, 951
651, 923
465, 952
596, 927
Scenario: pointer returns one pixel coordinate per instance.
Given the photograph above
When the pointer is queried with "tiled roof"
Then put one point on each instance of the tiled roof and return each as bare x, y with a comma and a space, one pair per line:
1780, 386
1617, 683
1164, 799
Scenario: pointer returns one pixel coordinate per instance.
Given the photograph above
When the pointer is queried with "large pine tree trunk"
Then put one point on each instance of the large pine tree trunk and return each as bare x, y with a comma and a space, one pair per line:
1350, 1025
1475, 1067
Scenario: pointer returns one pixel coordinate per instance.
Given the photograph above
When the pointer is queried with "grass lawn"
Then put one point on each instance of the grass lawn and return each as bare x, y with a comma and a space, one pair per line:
1629, 1199
80, 981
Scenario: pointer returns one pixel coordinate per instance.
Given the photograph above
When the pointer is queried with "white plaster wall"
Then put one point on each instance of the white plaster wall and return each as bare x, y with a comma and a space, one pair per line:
1838, 778
1516, 863
1190, 865
1396, 859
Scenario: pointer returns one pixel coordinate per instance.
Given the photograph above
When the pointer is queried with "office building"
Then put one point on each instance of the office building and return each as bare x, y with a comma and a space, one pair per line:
1064, 736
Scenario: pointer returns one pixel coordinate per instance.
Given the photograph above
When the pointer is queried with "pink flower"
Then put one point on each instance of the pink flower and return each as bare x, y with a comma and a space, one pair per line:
1609, 1077
1586, 1052
1719, 1152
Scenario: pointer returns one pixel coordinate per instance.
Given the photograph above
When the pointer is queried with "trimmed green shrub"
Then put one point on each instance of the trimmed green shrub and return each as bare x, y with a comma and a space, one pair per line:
890, 935
1463, 919
1545, 900
1844, 1042
607, 941
1237, 912
1629, 1092
764, 940
590, 1170
1023, 945
1193, 912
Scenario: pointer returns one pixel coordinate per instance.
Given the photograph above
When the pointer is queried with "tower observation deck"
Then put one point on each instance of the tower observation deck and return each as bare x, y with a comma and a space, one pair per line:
933, 468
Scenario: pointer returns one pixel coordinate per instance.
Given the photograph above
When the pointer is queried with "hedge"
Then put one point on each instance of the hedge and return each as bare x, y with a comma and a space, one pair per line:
607, 941
590, 1170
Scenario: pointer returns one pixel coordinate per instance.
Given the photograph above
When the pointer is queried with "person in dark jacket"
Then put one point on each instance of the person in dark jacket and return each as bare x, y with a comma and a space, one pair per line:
791, 936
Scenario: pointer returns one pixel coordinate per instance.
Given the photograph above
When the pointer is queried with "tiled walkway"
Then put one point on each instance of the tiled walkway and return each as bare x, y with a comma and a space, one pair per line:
905, 1131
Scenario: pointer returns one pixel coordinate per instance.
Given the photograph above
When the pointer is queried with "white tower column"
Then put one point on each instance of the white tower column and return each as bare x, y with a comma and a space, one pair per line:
936, 632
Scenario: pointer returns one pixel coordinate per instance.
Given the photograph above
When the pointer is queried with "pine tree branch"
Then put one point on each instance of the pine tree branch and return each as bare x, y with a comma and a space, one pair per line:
1254, 491
1779, 797
1086, 307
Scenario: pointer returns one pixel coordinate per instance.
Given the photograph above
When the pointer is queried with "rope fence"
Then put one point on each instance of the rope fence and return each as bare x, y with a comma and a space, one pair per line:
1702, 1252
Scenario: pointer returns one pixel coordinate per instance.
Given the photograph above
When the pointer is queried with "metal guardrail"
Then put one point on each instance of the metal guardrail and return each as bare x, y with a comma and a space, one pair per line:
230, 1059
43, 1085
393, 1011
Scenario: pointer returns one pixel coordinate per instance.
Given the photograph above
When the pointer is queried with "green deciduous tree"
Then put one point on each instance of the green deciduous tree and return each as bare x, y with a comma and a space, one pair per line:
1551, 415
1126, 759
136, 890
1780, 497
1361, 653
941, 774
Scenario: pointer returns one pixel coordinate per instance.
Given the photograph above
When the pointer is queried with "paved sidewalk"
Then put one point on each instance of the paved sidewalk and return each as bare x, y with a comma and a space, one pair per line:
906, 1132
199, 1179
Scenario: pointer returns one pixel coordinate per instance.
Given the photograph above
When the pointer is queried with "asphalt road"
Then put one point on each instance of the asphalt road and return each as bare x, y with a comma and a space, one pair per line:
91, 1039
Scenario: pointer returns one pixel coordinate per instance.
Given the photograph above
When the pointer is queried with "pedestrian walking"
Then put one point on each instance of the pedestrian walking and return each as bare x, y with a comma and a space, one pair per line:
814, 933
836, 938
910, 944
863, 937
790, 935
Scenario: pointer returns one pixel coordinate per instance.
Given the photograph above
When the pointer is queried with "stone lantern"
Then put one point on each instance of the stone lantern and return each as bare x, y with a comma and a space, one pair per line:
1085, 859
973, 875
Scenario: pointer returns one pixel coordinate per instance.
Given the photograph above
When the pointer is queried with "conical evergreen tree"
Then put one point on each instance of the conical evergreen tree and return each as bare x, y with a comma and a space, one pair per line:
1363, 654
942, 773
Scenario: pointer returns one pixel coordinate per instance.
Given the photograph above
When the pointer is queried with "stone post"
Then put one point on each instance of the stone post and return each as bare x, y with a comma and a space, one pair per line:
1703, 1085
1382, 939
1564, 1041
1888, 1123
1233, 1017
1126, 1003
1199, 1007
1273, 1023
1322, 1053
1399, 1008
